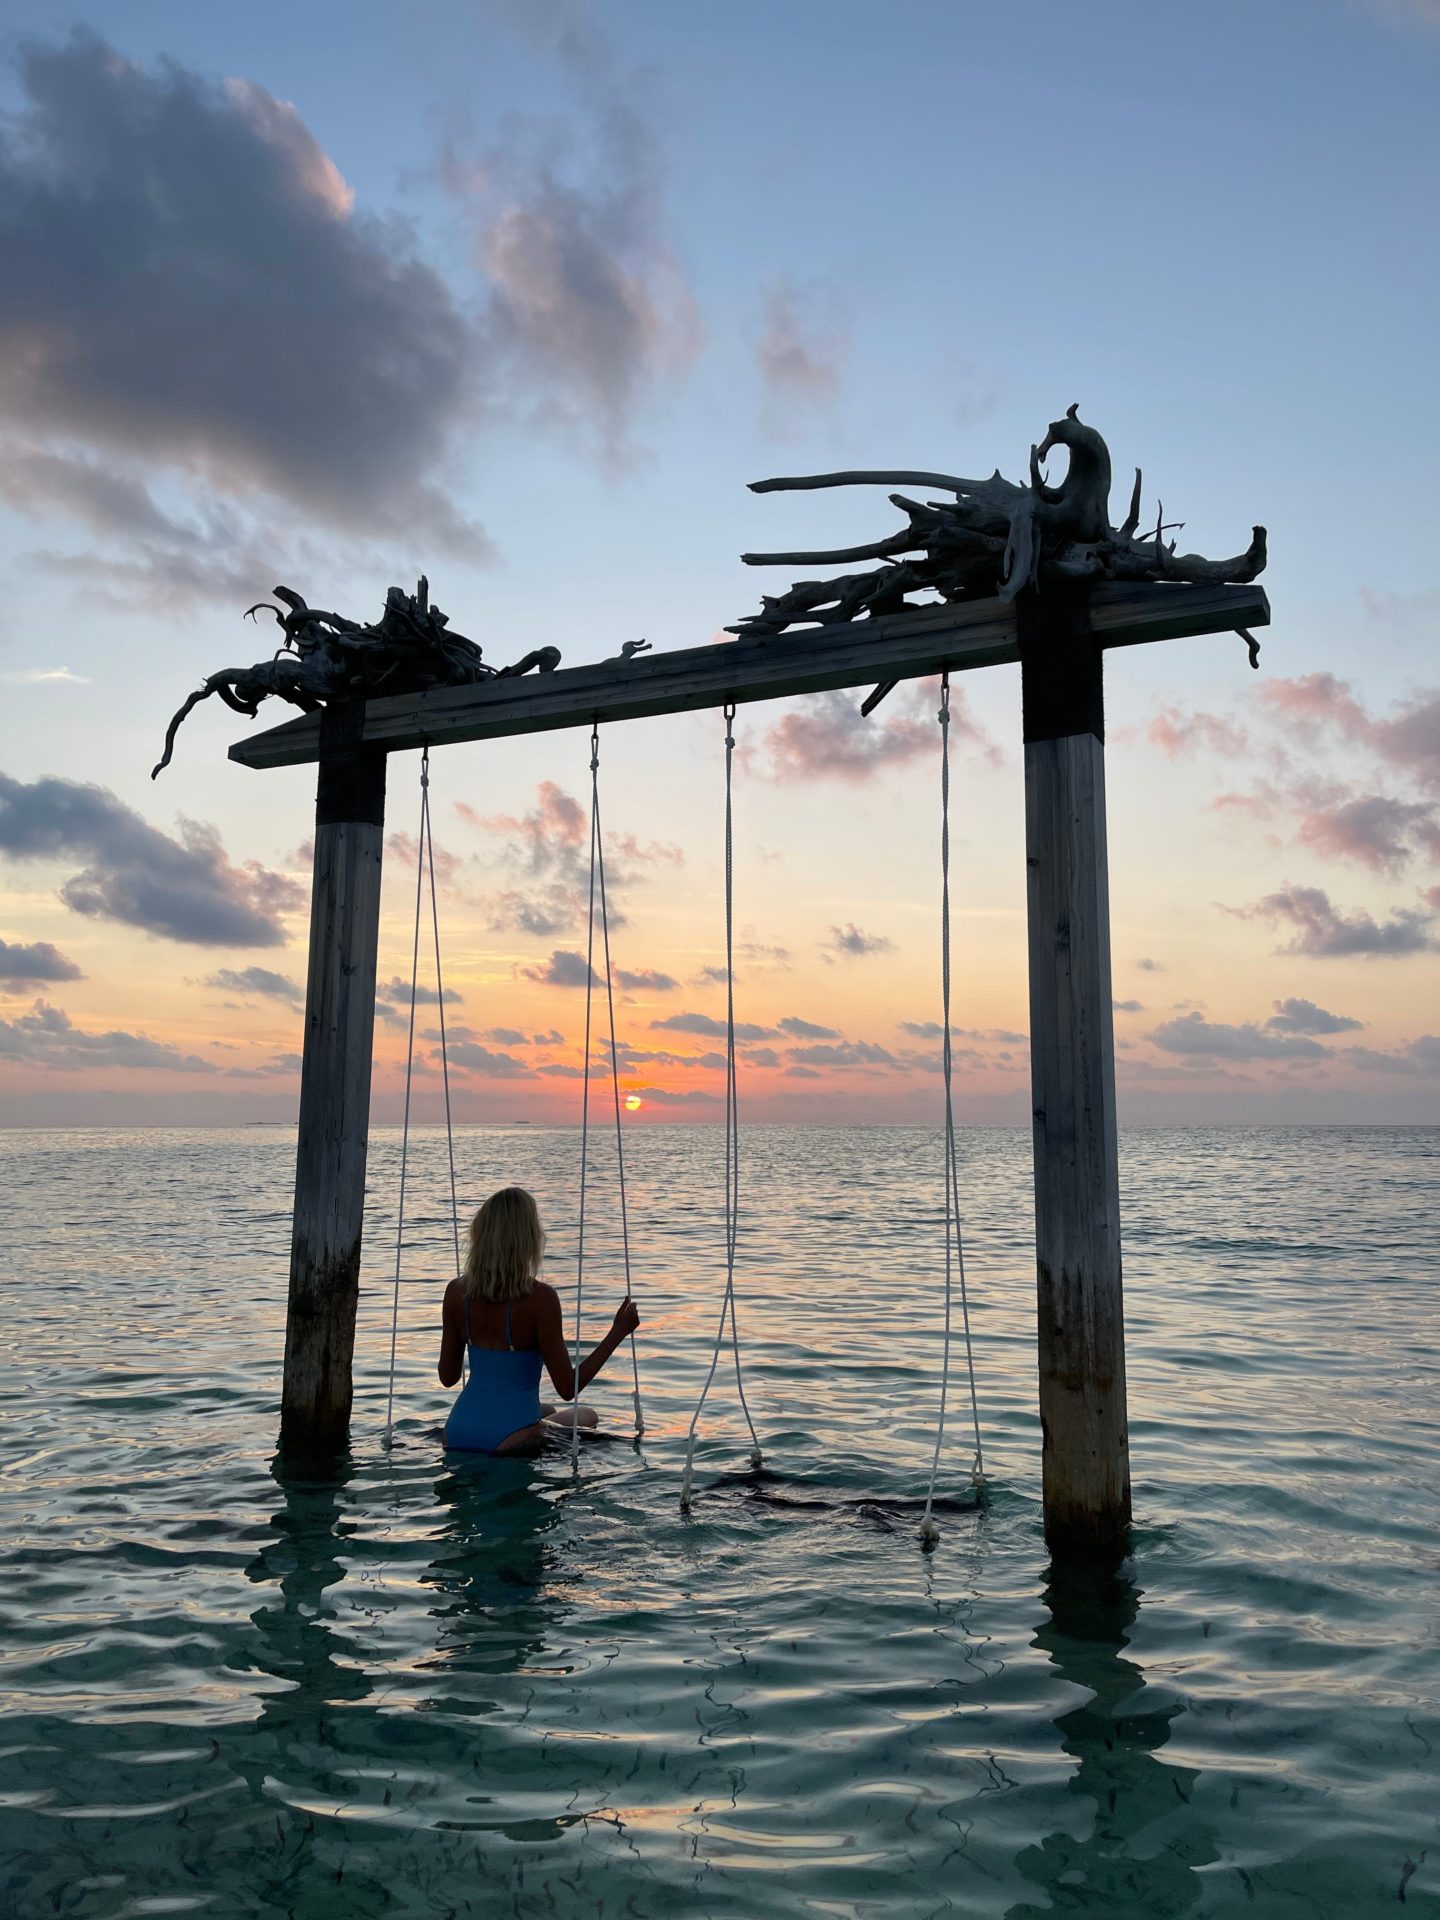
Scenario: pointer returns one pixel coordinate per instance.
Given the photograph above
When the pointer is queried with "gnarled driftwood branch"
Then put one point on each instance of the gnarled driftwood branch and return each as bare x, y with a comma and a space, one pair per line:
325, 657
994, 537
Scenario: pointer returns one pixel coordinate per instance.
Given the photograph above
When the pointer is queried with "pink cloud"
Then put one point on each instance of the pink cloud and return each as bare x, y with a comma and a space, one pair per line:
1176, 733
406, 848
829, 739
1316, 701
1410, 738
1372, 828
557, 820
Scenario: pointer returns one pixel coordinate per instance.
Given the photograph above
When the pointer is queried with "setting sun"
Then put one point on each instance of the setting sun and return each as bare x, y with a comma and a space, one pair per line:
632, 1102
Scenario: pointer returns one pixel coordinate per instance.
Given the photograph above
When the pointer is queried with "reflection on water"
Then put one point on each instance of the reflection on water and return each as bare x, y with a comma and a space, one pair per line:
1133, 1850
300, 1644
494, 1576
396, 1684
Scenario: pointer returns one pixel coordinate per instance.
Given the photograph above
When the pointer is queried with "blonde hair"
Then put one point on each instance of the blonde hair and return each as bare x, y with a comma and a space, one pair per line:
507, 1244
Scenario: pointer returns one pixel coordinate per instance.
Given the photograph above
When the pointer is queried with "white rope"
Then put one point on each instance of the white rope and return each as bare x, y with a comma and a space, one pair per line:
585, 1104
444, 1046
598, 848
954, 1242
409, 1077
732, 1151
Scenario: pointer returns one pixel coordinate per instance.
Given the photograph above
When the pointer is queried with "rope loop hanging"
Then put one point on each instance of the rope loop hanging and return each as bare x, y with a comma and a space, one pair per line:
597, 882
424, 865
954, 1241
732, 1151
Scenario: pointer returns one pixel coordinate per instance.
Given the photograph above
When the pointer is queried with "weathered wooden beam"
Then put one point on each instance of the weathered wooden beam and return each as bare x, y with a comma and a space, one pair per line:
334, 1087
1085, 1455
902, 646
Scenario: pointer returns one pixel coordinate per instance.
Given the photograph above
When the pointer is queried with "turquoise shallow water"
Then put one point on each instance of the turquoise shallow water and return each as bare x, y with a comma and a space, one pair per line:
430, 1687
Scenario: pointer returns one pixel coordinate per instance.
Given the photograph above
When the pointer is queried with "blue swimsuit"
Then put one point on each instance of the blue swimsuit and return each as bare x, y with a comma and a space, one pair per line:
501, 1396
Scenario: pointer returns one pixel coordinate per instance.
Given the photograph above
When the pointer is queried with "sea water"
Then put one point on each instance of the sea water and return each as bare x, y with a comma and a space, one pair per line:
422, 1686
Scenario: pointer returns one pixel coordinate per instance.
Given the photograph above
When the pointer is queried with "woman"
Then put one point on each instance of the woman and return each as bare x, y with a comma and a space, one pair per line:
509, 1320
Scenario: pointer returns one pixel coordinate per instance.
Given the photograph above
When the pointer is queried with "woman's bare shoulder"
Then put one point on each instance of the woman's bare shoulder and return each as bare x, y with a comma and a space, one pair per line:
545, 1298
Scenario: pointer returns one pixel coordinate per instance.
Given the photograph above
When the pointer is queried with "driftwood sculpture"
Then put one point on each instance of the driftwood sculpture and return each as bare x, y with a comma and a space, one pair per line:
994, 538
326, 658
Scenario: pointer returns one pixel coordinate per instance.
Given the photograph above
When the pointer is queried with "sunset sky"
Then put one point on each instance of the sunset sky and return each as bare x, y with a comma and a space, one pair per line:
521, 296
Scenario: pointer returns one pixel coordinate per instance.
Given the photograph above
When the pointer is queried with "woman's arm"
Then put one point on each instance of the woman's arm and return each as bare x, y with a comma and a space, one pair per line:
550, 1338
452, 1334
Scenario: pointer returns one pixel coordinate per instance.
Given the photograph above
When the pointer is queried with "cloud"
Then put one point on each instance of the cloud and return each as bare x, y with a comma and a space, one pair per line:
828, 739
761, 953
23, 962
505, 1036
257, 980
1192, 1034
1419, 1057
218, 554
405, 848
39, 676
710, 1029
711, 977
850, 942
1373, 828
1176, 733
1324, 933
799, 362
552, 1039
190, 288
1127, 1006
549, 845
672, 1097
846, 1053
646, 980
398, 990
185, 889
1150, 966
549, 850
47, 1037
471, 1057
563, 969
278, 1066
762, 1057
932, 1030
1314, 703
1408, 738
799, 1029
588, 305
1303, 1016
646, 1057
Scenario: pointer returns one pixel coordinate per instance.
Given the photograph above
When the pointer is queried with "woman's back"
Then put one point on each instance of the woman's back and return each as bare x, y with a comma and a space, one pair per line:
500, 1326
502, 1394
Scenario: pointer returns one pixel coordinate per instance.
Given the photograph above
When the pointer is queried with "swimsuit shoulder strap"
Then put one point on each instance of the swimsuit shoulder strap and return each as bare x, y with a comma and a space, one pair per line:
465, 1315
508, 1340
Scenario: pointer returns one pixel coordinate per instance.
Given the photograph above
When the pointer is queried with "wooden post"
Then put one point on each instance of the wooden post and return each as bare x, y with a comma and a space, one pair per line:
1085, 1443
334, 1085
